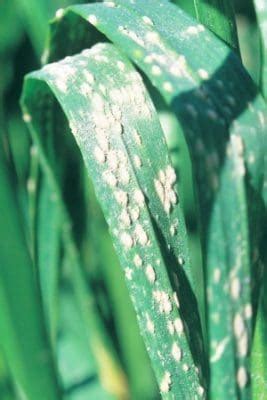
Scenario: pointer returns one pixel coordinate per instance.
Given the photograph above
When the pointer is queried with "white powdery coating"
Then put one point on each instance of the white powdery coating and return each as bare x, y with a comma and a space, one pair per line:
167, 86
149, 324
236, 147
128, 273
125, 218
112, 160
137, 138
165, 383
150, 273
99, 155
26, 117
176, 301
138, 261
235, 288
139, 198
137, 161
200, 390
203, 74
135, 213
156, 70
185, 367
123, 175
141, 235
109, 178
178, 326
110, 4
217, 275
163, 300
89, 77
242, 377
248, 311
121, 197
147, 20
242, 344
176, 352
220, 347
238, 324
92, 19
59, 13
126, 240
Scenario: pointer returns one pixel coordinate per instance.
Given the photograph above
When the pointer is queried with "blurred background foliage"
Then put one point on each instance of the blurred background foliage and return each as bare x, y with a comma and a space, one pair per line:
23, 30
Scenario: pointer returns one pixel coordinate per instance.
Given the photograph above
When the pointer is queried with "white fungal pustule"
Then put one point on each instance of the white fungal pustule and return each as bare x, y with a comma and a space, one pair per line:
123, 175
238, 325
235, 149
185, 367
126, 240
178, 326
147, 20
179, 67
248, 311
125, 218
176, 352
109, 178
134, 213
242, 377
203, 74
176, 300
141, 235
139, 197
121, 197
156, 70
200, 390
92, 19
219, 349
235, 288
168, 87
137, 161
170, 327
128, 273
150, 273
163, 300
165, 383
216, 275
138, 262
164, 188
112, 160
99, 155
59, 13
242, 344
110, 4
150, 324
89, 77
26, 117
137, 137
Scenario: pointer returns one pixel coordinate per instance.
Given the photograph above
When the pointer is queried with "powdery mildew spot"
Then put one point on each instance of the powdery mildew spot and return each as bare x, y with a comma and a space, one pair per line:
164, 188
235, 288
139, 197
150, 273
149, 324
138, 261
147, 20
126, 240
178, 326
121, 197
137, 161
92, 19
163, 300
242, 377
165, 384
141, 235
99, 155
248, 311
128, 273
176, 352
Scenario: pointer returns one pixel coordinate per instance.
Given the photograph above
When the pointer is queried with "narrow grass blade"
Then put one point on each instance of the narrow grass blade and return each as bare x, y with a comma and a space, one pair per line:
22, 333
261, 12
140, 216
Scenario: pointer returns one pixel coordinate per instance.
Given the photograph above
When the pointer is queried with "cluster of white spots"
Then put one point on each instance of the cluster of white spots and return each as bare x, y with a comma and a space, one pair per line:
165, 384
141, 235
128, 273
59, 13
150, 273
176, 352
150, 324
235, 288
138, 262
164, 188
109, 178
61, 73
203, 74
242, 377
26, 117
163, 300
216, 275
147, 20
219, 349
92, 19
236, 149
179, 67
126, 240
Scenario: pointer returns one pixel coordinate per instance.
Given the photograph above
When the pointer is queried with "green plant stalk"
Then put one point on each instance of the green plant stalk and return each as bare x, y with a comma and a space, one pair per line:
261, 12
23, 336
